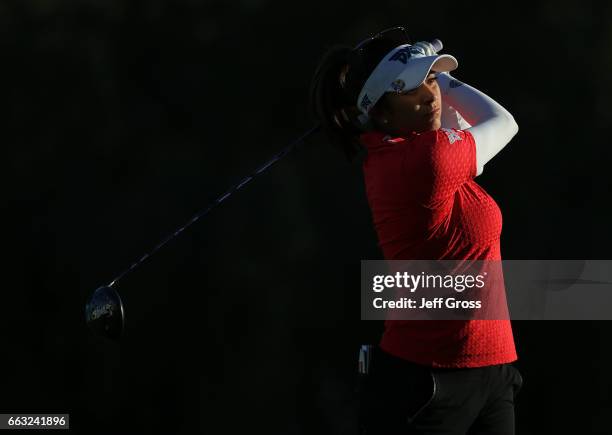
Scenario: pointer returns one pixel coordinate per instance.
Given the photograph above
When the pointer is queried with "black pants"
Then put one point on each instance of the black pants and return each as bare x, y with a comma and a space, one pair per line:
400, 397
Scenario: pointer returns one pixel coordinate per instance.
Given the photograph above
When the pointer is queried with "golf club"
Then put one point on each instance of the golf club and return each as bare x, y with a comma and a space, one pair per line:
104, 312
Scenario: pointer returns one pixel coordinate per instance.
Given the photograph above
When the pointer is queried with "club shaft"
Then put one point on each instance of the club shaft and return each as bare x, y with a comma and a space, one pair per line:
279, 155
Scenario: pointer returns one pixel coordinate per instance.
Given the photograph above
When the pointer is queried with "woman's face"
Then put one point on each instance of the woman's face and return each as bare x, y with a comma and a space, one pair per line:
415, 110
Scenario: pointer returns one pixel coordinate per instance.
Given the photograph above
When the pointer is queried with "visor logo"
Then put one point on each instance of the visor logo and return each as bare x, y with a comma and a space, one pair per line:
405, 53
398, 85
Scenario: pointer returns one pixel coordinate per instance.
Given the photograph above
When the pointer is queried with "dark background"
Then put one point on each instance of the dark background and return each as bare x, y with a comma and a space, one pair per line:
124, 118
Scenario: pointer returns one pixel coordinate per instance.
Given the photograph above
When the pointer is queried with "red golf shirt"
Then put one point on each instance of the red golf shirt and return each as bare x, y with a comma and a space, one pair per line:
426, 206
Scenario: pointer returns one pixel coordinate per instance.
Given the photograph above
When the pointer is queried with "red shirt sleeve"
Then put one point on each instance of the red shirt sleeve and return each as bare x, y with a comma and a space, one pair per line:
444, 159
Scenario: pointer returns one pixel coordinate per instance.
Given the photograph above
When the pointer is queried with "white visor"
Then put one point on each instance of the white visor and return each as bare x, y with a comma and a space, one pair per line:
402, 69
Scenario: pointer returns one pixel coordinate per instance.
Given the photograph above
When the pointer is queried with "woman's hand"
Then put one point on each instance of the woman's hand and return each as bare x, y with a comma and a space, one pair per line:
427, 47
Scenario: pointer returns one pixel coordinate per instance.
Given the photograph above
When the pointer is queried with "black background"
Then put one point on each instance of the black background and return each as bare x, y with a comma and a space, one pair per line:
124, 118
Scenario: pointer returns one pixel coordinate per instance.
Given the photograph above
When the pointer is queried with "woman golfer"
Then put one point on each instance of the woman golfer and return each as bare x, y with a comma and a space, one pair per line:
398, 102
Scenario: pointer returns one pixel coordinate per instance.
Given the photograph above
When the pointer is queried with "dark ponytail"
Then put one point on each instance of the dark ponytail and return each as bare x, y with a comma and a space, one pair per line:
330, 104
335, 87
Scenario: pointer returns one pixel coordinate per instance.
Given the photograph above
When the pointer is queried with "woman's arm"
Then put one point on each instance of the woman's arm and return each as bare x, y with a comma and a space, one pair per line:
492, 125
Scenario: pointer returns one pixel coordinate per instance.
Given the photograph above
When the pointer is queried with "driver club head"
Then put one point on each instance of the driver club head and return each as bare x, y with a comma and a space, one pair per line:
104, 313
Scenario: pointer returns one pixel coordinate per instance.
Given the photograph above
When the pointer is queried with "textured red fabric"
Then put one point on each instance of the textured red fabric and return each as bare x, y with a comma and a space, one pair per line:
426, 206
